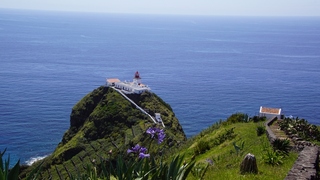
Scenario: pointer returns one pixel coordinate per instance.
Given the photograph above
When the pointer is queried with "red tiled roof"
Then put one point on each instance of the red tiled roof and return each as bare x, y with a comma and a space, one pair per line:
113, 80
270, 110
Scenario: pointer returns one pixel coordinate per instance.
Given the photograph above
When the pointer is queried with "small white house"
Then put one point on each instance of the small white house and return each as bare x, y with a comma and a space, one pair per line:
112, 81
270, 112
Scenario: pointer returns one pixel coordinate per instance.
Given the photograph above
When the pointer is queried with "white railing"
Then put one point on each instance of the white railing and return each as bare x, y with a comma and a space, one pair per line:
138, 107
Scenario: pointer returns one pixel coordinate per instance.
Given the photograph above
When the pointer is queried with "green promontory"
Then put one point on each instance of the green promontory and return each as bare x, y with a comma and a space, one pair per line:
104, 121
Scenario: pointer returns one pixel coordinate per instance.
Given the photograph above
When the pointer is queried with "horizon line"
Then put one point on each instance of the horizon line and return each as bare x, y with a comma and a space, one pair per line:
159, 14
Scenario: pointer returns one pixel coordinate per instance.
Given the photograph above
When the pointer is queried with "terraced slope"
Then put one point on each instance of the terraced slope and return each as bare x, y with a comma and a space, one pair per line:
105, 121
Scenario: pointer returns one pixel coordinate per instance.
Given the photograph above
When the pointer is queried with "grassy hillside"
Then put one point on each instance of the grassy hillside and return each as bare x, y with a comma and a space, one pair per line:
104, 125
223, 146
104, 121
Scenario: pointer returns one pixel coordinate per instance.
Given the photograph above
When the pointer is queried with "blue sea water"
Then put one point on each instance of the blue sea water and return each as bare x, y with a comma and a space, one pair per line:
205, 67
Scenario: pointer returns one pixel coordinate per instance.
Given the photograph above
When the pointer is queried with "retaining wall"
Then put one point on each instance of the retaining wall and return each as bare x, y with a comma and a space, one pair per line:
307, 164
271, 136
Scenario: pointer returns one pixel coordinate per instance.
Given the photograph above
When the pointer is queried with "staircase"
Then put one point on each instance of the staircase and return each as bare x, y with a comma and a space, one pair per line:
138, 107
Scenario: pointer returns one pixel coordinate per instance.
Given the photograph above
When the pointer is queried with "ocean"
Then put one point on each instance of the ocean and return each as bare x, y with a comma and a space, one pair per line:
205, 67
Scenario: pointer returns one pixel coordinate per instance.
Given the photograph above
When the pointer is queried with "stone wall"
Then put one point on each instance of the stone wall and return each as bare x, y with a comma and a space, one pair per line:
271, 136
306, 166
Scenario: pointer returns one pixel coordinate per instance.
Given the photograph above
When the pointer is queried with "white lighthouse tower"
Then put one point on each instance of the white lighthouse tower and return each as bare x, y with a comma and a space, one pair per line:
137, 78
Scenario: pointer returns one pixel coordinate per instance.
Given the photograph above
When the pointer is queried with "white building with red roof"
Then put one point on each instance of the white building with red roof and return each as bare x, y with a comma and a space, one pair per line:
127, 87
270, 112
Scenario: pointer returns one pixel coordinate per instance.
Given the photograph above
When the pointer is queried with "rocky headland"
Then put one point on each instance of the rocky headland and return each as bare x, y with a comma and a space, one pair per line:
103, 125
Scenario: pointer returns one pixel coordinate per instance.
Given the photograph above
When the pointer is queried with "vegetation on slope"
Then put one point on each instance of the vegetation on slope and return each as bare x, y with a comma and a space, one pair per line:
301, 128
220, 149
104, 121
104, 126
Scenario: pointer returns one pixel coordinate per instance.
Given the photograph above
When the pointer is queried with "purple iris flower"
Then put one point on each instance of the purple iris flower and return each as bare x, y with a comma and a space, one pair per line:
143, 155
143, 150
134, 149
139, 150
129, 151
159, 133
161, 136
152, 131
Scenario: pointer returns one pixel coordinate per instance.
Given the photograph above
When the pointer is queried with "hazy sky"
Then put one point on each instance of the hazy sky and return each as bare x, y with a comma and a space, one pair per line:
200, 7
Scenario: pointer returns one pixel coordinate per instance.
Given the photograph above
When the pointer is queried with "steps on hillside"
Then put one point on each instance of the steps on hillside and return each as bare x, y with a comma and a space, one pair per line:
137, 106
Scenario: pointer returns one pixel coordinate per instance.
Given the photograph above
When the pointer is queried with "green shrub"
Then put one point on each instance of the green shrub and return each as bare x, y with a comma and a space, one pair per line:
281, 145
199, 170
201, 147
258, 119
301, 127
261, 129
238, 117
5, 172
144, 169
238, 148
13, 173
273, 158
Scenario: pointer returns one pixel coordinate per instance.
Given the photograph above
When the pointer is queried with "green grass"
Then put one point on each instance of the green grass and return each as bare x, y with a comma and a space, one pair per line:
105, 121
102, 121
227, 161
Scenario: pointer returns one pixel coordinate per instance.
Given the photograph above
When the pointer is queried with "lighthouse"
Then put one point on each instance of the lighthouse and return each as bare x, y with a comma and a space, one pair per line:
134, 87
137, 78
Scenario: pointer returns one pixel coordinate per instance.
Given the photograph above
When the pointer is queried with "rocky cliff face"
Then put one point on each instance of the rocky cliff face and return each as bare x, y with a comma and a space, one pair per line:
104, 120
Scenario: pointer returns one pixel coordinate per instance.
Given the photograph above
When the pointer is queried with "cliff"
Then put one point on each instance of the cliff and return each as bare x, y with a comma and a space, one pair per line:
104, 121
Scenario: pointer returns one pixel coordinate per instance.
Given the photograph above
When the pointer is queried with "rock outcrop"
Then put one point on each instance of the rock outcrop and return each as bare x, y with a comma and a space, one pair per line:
104, 121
